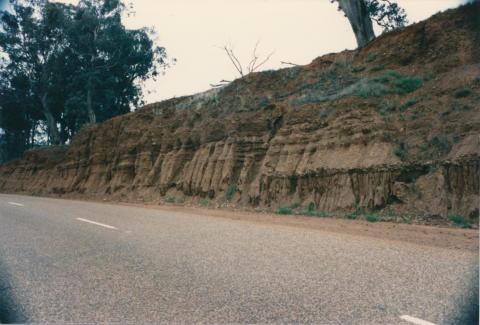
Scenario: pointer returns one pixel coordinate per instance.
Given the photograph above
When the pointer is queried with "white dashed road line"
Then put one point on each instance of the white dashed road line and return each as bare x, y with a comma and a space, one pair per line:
97, 223
415, 320
16, 204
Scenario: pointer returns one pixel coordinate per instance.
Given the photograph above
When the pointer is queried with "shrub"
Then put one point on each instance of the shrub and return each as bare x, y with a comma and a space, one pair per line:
355, 213
441, 143
351, 215
387, 106
369, 88
409, 103
371, 57
388, 76
462, 92
232, 188
169, 199
284, 210
378, 67
311, 211
204, 202
459, 221
401, 151
407, 85
372, 217
398, 83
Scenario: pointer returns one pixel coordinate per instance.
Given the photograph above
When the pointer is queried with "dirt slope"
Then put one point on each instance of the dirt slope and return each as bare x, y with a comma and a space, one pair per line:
393, 127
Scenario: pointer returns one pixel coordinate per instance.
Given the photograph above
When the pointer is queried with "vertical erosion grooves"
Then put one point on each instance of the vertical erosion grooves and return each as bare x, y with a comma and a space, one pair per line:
435, 188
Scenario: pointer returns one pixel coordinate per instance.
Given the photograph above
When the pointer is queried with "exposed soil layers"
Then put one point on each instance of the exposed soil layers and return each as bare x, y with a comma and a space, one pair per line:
393, 127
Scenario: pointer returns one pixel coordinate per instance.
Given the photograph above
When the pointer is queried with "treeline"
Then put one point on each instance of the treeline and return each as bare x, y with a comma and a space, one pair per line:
63, 66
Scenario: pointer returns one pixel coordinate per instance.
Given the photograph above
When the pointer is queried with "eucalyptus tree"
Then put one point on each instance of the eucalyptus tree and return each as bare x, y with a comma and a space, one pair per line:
362, 13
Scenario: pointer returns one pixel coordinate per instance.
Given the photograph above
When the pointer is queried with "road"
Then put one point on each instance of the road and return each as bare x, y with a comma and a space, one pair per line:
64, 261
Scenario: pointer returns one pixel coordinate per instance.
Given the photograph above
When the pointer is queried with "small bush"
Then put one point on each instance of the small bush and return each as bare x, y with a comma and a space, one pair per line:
409, 103
387, 106
169, 199
369, 88
401, 151
388, 76
371, 57
232, 188
372, 217
351, 216
378, 67
284, 210
204, 202
459, 221
407, 85
312, 211
398, 83
355, 213
462, 92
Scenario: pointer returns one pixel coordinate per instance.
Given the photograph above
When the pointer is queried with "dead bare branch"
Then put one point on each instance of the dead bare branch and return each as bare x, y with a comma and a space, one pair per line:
252, 66
289, 63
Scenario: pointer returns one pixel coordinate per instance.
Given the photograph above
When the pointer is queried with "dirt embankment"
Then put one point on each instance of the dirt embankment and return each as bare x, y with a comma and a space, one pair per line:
392, 128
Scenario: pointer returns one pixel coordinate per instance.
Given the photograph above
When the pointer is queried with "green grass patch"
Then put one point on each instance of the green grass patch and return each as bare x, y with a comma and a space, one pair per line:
409, 103
372, 217
312, 211
284, 210
370, 88
231, 190
459, 221
401, 151
371, 57
204, 202
462, 92
398, 83
378, 67
355, 213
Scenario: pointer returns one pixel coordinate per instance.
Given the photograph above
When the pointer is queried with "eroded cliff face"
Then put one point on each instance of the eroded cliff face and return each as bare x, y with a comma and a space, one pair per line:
393, 127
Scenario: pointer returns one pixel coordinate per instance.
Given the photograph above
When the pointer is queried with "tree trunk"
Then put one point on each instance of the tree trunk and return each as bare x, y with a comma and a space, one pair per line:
91, 113
357, 13
51, 123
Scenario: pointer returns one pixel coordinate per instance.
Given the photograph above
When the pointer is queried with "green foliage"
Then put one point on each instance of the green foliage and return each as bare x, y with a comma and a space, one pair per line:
390, 82
312, 211
409, 103
372, 217
378, 67
204, 202
370, 88
407, 85
398, 83
387, 106
169, 199
387, 14
355, 213
284, 210
232, 188
459, 221
401, 151
437, 146
63, 66
371, 57
462, 92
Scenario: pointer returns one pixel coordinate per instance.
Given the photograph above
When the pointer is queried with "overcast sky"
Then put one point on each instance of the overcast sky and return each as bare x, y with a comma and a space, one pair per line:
297, 30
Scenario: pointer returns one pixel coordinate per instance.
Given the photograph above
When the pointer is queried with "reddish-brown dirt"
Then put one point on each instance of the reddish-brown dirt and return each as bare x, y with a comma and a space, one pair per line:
392, 128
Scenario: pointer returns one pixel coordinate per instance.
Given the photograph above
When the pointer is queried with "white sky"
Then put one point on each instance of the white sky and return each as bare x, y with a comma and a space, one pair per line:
297, 30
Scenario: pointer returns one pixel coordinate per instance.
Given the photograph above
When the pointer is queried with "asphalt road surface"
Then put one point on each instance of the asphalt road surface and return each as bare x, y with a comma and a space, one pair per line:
64, 261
